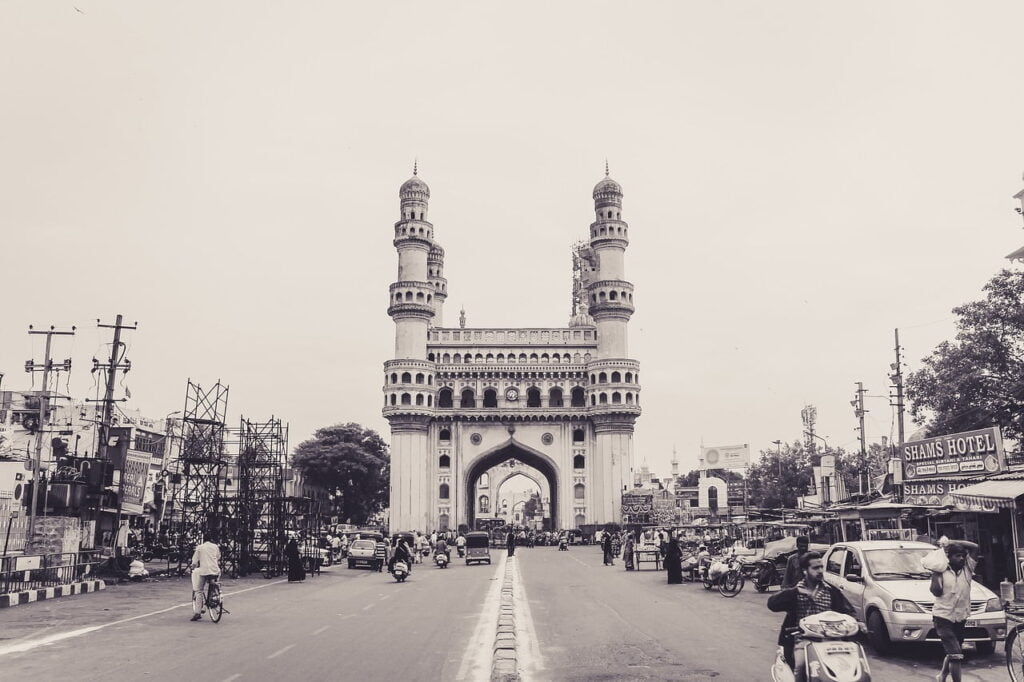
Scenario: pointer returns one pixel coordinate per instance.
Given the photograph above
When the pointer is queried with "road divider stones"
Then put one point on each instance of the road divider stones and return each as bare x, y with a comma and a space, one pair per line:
43, 593
504, 664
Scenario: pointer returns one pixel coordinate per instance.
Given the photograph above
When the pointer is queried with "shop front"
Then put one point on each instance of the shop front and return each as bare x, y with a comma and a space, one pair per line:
991, 512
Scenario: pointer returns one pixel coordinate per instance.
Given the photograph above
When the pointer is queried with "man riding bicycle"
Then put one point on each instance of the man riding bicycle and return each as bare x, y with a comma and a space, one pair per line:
205, 567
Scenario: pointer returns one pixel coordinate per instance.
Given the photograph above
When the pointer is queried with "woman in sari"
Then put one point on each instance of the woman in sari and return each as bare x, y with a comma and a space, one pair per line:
627, 551
674, 562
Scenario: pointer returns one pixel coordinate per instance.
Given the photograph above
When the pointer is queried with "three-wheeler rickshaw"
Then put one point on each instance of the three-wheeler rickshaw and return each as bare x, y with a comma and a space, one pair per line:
478, 547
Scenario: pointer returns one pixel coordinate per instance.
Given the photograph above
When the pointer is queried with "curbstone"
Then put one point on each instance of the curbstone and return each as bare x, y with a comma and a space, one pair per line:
45, 593
504, 663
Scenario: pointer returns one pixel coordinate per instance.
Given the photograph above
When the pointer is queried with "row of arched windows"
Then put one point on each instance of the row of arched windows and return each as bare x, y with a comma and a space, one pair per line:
419, 298
407, 378
413, 231
611, 296
602, 399
556, 398
412, 215
511, 358
609, 230
409, 399
616, 378
610, 214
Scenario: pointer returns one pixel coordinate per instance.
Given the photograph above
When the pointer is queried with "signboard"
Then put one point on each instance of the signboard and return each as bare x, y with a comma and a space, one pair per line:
637, 504
932, 492
134, 477
725, 457
27, 563
735, 493
891, 534
970, 452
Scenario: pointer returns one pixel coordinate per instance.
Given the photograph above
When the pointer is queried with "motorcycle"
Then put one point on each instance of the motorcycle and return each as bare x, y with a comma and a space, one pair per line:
824, 651
461, 550
441, 559
400, 571
563, 545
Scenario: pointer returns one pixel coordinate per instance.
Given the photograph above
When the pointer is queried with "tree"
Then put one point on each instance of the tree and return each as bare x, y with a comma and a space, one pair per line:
531, 506
352, 460
976, 380
779, 477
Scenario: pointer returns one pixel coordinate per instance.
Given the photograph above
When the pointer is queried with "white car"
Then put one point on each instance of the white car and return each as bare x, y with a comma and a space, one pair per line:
889, 590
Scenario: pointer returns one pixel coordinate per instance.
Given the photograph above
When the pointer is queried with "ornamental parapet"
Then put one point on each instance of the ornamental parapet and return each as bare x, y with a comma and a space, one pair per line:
408, 363
615, 422
404, 309
528, 415
613, 363
557, 336
407, 423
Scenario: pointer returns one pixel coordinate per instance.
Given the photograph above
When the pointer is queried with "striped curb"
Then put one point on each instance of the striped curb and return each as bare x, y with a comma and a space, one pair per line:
504, 664
43, 593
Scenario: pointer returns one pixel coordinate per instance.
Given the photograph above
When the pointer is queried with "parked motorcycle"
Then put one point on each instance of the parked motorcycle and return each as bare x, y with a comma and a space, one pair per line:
400, 571
824, 651
441, 559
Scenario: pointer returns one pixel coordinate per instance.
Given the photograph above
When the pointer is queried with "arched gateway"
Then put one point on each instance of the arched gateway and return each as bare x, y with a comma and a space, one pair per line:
462, 400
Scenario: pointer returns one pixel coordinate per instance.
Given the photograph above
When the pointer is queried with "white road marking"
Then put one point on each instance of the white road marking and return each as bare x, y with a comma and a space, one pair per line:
386, 596
60, 636
233, 677
347, 615
476, 660
368, 606
280, 651
321, 629
528, 656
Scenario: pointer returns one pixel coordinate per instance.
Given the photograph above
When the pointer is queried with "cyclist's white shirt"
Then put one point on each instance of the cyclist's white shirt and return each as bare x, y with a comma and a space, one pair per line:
206, 559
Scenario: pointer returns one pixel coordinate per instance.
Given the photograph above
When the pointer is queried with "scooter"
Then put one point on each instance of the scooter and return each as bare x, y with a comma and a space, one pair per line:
461, 550
400, 571
563, 545
441, 559
824, 651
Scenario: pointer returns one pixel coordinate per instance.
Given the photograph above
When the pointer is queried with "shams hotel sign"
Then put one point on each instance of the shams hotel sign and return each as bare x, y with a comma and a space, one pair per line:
956, 456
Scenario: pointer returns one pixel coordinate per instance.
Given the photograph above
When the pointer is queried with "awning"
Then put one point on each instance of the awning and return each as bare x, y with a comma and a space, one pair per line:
989, 495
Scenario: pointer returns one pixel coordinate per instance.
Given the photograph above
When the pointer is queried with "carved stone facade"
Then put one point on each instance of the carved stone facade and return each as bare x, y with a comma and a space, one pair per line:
461, 401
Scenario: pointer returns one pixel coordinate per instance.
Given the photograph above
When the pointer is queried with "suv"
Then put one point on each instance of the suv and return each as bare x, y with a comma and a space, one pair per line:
889, 590
362, 552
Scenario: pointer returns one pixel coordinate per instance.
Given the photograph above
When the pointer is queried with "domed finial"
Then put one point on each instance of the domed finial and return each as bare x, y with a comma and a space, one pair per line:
462, 318
606, 168
415, 166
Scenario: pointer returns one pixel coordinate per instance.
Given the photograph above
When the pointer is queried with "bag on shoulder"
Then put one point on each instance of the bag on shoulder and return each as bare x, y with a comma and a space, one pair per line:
935, 561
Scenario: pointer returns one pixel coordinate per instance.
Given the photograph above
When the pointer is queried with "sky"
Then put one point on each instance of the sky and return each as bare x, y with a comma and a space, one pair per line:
800, 179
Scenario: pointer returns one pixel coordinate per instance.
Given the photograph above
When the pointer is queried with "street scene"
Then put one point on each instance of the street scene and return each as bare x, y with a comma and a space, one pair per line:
567, 341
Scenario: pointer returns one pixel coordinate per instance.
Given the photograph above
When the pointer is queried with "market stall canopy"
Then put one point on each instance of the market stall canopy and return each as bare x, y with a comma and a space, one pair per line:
788, 546
991, 493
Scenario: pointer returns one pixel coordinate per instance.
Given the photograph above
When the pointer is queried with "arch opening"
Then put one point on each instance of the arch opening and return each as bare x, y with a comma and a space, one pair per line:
509, 451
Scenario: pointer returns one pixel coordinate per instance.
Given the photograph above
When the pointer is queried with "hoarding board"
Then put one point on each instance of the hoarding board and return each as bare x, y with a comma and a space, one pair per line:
735, 493
970, 452
933, 492
134, 477
725, 457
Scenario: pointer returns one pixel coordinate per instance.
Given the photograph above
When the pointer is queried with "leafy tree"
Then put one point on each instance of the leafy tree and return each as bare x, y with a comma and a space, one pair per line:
779, 477
352, 460
531, 505
977, 379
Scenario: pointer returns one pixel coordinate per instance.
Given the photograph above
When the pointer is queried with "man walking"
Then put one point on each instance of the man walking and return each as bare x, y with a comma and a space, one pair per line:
952, 591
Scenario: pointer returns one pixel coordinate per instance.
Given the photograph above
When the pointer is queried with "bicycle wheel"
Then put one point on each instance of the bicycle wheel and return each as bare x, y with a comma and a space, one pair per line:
214, 603
1014, 646
731, 583
269, 569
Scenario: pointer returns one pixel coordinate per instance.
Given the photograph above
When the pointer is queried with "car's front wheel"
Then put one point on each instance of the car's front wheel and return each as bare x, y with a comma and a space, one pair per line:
878, 634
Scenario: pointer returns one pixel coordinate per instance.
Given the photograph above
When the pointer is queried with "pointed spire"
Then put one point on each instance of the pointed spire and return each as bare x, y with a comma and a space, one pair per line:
415, 166
606, 168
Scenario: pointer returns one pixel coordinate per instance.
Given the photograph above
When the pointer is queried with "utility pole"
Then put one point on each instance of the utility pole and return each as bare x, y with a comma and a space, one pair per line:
897, 383
858, 411
117, 362
44, 407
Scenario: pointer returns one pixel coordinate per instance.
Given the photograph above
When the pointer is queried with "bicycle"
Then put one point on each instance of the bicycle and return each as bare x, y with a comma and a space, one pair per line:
729, 583
212, 601
1014, 644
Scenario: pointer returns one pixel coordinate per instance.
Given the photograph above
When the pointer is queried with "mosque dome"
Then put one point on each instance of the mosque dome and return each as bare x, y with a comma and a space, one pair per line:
607, 186
412, 186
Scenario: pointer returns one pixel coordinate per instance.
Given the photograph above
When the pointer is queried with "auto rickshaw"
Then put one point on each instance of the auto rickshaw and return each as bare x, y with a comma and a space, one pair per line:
478, 547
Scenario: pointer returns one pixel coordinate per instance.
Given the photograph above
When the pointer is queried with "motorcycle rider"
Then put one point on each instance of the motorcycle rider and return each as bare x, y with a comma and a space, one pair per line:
401, 553
810, 596
460, 544
793, 572
441, 547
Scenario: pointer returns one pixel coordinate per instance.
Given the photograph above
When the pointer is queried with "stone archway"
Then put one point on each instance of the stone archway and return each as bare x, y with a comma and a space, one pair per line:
510, 449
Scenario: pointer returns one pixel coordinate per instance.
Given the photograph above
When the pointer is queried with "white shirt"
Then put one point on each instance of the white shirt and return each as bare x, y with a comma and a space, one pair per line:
206, 559
955, 603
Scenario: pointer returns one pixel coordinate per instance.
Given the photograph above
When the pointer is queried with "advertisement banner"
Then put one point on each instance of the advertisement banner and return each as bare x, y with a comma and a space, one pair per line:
637, 504
134, 478
725, 457
735, 493
933, 492
970, 452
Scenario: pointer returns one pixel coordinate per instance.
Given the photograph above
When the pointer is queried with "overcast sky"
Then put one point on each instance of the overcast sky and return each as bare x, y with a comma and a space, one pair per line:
800, 178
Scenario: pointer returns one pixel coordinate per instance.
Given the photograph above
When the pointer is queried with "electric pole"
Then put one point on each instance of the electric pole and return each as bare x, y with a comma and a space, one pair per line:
117, 362
897, 383
44, 408
858, 411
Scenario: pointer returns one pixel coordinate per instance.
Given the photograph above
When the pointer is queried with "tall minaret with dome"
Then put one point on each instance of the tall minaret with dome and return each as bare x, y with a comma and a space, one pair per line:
555, 404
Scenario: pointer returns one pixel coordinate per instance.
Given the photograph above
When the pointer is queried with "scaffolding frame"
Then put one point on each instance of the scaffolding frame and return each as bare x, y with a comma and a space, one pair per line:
262, 459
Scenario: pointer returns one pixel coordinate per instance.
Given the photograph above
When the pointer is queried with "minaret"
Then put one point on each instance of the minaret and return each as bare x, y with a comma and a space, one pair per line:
435, 271
614, 387
675, 463
611, 296
409, 386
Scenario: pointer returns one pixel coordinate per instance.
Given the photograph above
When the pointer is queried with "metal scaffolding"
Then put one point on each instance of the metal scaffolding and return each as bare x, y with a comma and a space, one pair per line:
198, 496
262, 459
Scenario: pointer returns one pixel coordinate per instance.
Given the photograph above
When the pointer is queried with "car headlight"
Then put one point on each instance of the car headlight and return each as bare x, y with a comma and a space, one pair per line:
905, 606
993, 605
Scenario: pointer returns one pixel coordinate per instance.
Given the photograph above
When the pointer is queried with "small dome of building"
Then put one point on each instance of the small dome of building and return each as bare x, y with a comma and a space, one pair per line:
412, 186
607, 186
582, 318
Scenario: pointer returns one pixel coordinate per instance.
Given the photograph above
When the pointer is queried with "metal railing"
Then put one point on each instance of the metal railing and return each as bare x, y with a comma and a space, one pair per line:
51, 570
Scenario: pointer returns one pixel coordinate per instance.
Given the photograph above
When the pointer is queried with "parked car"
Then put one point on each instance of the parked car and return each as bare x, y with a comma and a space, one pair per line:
362, 552
889, 590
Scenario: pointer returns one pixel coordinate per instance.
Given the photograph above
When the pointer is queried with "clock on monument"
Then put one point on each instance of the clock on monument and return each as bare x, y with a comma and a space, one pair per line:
512, 393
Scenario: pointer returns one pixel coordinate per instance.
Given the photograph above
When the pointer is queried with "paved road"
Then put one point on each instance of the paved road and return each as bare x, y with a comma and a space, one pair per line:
584, 621
603, 623
343, 624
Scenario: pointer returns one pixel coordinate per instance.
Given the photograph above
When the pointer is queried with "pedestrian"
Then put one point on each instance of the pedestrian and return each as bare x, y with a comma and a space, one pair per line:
673, 562
627, 551
296, 573
510, 543
952, 591
793, 573
606, 545
380, 554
